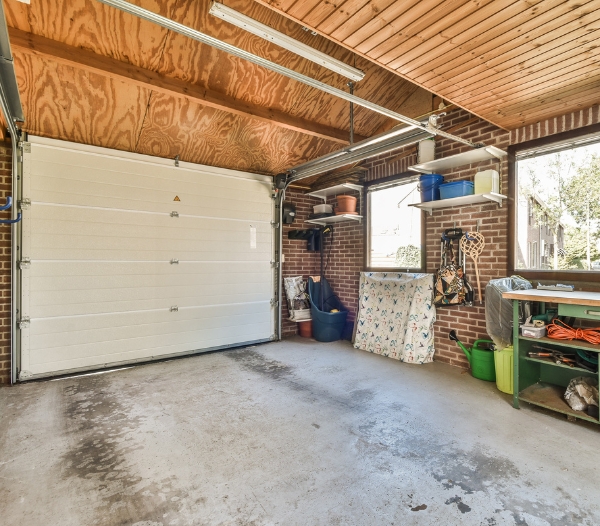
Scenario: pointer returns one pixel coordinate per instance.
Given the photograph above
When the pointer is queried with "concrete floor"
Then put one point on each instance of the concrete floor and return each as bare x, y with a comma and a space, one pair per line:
289, 433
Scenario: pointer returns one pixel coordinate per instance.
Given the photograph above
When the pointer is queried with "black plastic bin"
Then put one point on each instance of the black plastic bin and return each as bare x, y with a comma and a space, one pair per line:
327, 326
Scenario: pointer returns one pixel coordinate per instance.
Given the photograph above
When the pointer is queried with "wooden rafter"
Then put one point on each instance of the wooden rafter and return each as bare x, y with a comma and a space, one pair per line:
30, 43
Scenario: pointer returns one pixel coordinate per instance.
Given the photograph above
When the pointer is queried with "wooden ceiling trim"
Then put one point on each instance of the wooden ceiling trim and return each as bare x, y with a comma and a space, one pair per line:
385, 12
321, 11
581, 88
540, 81
577, 102
302, 8
409, 25
517, 88
86, 60
523, 79
373, 26
426, 24
458, 34
443, 44
564, 46
505, 38
343, 25
350, 9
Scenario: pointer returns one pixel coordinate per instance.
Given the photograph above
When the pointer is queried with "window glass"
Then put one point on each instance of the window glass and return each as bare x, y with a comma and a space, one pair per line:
558, 208
394, 226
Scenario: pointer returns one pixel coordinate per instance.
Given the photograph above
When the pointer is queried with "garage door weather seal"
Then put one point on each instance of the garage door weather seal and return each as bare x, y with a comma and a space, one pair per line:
171, 25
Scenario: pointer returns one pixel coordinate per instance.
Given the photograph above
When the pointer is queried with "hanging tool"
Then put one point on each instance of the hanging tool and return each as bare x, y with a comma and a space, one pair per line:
472, 244
6, 207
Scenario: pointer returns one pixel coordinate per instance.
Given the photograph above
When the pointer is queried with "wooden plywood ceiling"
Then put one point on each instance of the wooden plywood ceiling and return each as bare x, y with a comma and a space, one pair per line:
511, 62
90, 73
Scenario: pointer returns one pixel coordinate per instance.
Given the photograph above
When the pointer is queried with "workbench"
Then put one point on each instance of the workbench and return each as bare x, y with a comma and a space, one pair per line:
540, 381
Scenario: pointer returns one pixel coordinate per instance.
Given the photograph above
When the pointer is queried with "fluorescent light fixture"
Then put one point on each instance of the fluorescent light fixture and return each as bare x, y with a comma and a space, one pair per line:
284, 41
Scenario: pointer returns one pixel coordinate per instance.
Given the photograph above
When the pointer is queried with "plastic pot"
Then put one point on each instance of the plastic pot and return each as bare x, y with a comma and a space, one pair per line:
346, 204
305, 328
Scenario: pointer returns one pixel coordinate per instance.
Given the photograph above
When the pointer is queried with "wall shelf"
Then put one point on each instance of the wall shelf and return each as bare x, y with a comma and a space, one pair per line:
460, 159
550, 396
429, 206
334, 190
334, 219
540, 381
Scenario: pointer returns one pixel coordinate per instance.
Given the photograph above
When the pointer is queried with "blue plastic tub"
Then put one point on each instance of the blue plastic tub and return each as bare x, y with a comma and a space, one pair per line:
327, 326
456, 189
429, 185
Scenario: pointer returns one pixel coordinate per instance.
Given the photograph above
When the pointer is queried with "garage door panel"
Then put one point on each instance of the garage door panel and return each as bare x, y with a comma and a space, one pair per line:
67, 269
95, 187
201, 206
167, 277
91, 222
102, 351
181, 238
199, 317
99, 301
94, 356
109, 263
126, 166
191, 323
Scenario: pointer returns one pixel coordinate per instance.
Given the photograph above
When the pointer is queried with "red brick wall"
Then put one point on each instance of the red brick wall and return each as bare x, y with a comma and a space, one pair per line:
298, 261
348, 255
469, 322
5, 237
345, 261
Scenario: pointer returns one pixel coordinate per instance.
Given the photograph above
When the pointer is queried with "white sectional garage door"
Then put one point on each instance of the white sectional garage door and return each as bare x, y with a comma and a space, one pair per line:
133, 258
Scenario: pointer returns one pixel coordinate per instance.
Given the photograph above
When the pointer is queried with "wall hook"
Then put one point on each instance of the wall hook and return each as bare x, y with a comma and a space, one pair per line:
10, 221
8, 204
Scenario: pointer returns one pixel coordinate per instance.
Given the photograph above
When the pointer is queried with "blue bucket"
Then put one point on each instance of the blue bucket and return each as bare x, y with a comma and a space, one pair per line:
429, 185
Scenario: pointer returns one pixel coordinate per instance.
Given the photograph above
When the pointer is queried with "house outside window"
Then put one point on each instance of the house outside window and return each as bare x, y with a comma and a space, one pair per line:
395, 236
557, 205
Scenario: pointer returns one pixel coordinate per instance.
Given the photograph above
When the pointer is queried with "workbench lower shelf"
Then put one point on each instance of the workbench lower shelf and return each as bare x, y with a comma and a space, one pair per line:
550, 396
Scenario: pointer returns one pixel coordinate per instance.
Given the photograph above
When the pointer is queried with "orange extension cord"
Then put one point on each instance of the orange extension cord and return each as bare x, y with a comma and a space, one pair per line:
561, 331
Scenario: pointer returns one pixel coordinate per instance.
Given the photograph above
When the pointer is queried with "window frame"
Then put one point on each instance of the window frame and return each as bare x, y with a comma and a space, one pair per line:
512, 151
367, 218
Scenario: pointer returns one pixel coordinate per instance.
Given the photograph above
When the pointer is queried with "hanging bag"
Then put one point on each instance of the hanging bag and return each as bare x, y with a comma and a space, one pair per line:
451, 285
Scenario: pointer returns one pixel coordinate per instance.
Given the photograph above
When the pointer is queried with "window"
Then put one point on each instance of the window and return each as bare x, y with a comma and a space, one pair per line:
557, 203
394, 228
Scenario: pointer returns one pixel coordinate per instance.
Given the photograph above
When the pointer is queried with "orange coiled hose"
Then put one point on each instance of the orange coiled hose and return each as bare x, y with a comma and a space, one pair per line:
561, 331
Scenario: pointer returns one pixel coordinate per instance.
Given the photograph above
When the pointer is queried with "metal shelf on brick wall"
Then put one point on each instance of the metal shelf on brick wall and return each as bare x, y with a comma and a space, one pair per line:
460, 159
334, 219
335, 190
465, 200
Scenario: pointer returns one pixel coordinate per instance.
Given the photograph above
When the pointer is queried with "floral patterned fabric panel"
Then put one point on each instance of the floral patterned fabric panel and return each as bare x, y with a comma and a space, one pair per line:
396, 316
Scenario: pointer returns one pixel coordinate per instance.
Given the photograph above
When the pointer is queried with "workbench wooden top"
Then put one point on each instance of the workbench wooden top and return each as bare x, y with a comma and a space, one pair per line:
555, 296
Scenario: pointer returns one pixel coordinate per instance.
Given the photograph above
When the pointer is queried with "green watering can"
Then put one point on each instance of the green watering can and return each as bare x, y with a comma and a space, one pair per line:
481, 358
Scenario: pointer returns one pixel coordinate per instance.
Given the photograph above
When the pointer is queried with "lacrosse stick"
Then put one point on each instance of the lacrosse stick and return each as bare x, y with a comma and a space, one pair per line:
472, 244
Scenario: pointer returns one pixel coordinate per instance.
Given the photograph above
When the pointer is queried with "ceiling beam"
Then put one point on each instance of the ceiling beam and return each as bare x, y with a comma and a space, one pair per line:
24, 42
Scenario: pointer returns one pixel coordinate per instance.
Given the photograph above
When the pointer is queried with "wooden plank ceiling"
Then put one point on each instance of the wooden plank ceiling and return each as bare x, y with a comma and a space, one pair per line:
92, 74
511, 62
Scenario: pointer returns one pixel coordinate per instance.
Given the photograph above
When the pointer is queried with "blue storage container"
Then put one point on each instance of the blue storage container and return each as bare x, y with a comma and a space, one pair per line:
429, 186
326, 326
456, 189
